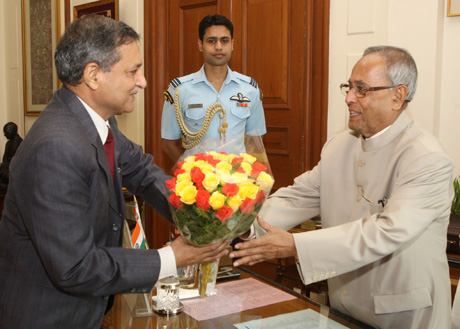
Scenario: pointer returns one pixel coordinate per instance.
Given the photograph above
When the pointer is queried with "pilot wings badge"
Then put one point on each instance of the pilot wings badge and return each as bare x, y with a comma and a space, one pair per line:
241, 100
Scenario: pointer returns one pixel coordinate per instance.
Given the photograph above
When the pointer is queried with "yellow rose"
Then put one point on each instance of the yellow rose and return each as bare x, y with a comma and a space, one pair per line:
234, 203
210, 182
200, 163
265, 181
224, 167
180, 186
230, 157
222, 157
246, 167
190, 158
247, 190
188, 166
206, 168
248, 158
217, 200
188, 194
184, 177
215, 155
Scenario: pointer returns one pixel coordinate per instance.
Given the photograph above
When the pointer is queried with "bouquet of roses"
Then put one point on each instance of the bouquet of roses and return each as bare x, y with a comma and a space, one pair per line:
218, 195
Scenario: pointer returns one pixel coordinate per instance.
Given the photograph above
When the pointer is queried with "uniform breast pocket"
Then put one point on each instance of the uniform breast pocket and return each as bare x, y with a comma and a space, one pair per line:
241, 112
194, 117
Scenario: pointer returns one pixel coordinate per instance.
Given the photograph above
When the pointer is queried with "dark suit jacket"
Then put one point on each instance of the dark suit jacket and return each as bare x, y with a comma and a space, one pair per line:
61, 229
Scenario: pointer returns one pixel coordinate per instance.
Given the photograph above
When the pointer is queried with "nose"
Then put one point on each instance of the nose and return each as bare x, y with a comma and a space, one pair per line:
141, 82
351, 97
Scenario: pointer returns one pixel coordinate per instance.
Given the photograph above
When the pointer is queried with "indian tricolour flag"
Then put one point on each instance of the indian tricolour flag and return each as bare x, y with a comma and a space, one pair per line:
138, 235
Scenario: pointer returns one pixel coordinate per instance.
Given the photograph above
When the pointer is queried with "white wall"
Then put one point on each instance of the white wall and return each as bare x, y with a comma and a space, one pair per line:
11, 107
449, 88
423, 28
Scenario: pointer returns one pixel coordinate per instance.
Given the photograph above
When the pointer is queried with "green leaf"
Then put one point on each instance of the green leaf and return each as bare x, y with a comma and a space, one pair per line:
455, 209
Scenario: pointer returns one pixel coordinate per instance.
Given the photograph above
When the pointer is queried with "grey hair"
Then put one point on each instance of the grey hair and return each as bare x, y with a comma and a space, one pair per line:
400, 65
90, 39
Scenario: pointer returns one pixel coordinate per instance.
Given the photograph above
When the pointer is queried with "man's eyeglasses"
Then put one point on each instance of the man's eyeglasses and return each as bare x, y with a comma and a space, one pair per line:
361, 90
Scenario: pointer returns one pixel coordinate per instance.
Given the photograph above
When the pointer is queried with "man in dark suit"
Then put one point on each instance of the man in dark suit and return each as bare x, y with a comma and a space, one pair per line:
61, 229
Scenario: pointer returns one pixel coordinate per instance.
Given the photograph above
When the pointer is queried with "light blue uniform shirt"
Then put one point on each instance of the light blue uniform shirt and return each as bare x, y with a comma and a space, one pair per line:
239, 95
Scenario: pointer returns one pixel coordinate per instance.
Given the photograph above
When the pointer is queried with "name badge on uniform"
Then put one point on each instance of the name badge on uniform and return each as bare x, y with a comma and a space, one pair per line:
195, 106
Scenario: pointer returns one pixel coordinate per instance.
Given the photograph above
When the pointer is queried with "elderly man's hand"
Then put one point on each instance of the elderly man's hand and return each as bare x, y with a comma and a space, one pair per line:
277, 243
187, 254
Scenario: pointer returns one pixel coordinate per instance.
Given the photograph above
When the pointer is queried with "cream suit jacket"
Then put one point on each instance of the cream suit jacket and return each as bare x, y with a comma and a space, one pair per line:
384, 206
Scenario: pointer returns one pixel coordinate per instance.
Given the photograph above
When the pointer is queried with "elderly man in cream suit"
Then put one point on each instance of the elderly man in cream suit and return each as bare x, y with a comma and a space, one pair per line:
383, 191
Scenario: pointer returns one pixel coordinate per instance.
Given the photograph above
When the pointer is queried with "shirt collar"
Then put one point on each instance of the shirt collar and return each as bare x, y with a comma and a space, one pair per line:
102, 126
200, 76
381, 132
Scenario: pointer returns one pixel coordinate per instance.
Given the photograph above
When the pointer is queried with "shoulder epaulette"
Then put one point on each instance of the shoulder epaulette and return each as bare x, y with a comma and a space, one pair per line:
246, 79
175, 83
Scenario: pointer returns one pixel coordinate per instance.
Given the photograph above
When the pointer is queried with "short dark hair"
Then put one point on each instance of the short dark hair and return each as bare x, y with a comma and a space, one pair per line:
211, 20
91, 39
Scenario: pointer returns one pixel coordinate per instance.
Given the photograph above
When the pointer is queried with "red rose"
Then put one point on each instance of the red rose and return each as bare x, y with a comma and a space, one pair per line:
223, 152
175, 201
180, 164
236, 161
230, 189
260, 197
224, 213
241, 170
200, 156
246, 206
257, 168
178, 172
208, 158
171, 184
197, 177
202, 199
213, 162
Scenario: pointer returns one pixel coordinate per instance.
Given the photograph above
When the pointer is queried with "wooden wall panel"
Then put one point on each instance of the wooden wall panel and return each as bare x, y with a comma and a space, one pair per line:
267, 54
266, 48
185, 15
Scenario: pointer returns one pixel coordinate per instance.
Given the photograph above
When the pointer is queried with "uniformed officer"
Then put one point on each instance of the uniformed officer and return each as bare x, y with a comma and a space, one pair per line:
215, 103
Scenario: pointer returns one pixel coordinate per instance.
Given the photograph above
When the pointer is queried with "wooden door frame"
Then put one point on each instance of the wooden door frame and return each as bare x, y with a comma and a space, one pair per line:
156, 72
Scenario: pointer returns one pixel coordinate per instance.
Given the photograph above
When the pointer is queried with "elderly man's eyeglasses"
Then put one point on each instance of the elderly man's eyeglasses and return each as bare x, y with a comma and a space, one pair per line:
361, 90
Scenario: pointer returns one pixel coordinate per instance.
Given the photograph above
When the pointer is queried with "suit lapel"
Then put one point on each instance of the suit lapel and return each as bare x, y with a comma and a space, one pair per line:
79, 111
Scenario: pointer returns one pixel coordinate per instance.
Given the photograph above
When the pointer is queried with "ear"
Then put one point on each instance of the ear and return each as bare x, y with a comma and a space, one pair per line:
200, 45
91, 75
232, 43
399, 96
